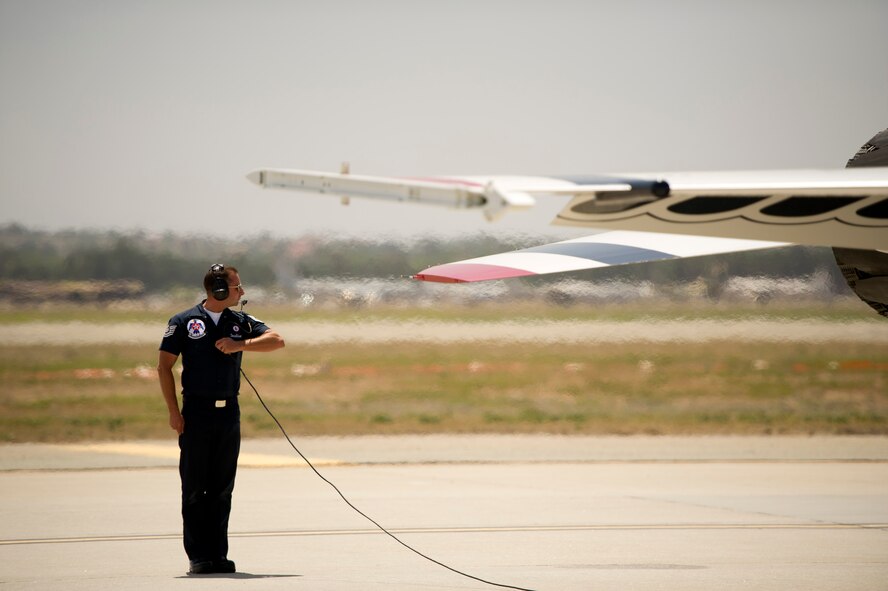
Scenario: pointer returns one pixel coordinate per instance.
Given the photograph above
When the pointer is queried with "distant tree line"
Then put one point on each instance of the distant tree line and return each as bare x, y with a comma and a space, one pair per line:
170, 260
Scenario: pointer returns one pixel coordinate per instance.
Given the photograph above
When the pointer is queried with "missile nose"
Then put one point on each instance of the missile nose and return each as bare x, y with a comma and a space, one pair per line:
256, 177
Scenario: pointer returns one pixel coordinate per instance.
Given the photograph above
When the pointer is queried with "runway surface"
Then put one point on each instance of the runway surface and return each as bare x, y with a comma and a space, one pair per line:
536, 512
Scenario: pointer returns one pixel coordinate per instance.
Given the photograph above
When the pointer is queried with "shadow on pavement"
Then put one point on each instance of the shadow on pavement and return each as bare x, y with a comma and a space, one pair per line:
234, 576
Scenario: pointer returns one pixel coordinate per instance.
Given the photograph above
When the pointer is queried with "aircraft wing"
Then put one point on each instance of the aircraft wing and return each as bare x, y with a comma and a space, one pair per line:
843, 207
691, 214
600, 250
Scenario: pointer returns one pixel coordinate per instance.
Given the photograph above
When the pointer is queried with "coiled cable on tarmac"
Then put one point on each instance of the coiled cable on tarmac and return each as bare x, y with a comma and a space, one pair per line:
361, 513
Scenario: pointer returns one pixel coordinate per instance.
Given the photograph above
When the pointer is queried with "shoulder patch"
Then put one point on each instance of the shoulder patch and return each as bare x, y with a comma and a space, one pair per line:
169, 330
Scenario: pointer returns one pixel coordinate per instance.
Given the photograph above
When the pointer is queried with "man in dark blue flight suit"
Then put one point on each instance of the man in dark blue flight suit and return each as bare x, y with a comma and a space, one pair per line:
211, 339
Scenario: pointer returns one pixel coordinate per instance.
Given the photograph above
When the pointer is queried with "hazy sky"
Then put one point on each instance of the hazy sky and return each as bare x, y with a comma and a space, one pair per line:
124, 114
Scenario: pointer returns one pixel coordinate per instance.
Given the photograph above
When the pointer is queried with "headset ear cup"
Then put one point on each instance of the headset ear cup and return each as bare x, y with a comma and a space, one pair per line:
220, 288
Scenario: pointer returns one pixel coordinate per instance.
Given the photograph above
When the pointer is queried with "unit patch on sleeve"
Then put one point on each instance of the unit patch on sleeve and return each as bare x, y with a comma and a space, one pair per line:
196, 328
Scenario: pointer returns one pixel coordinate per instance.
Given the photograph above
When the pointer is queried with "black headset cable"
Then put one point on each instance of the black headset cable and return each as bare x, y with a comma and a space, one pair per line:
361, 513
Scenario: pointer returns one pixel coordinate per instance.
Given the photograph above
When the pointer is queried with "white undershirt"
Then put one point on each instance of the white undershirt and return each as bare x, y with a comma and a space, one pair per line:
214, 315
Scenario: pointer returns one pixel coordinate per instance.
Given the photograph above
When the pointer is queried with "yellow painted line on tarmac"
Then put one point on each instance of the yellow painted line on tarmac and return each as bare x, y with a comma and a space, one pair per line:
171, 452
252, 460
127, 449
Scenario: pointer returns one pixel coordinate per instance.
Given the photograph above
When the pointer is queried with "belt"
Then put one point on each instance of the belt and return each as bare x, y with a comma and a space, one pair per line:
201, 402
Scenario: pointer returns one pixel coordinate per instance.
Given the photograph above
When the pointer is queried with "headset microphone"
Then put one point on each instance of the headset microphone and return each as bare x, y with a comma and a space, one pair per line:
249, 326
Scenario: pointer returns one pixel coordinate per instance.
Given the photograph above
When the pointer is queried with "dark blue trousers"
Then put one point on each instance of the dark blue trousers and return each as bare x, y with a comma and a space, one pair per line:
209, 447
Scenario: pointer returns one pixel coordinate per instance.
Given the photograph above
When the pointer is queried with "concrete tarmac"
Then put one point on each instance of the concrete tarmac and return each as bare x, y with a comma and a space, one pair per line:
535, 512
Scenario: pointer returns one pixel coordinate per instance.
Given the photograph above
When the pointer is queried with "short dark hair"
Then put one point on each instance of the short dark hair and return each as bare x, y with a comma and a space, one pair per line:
227, 272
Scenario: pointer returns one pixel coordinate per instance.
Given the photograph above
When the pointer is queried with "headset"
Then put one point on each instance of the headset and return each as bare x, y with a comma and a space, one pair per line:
220, 282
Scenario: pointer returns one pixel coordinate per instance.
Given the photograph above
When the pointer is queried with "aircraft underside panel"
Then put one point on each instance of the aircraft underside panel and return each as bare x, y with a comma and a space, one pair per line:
600, 250
853, 221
